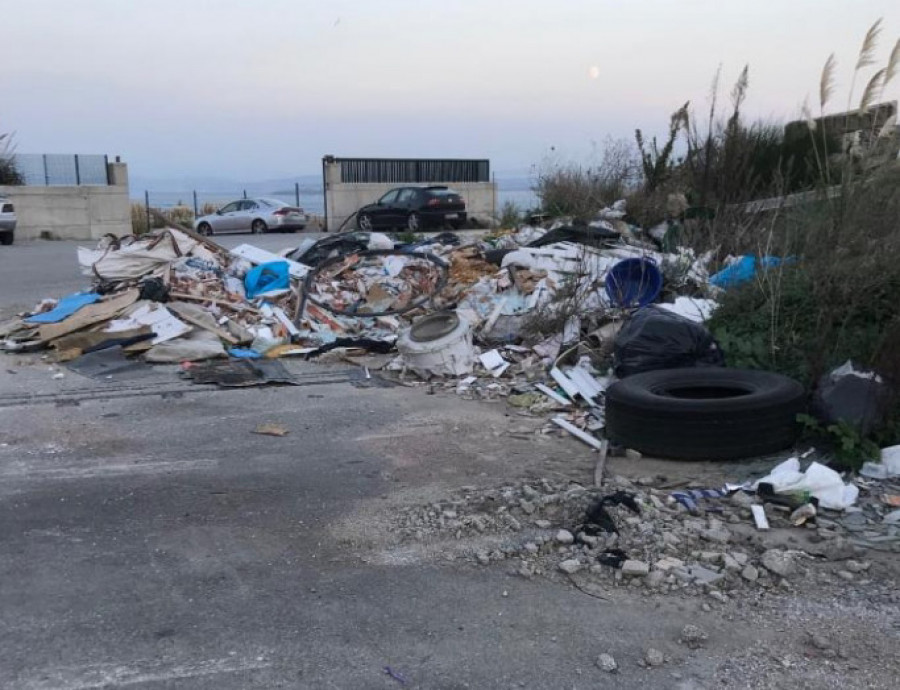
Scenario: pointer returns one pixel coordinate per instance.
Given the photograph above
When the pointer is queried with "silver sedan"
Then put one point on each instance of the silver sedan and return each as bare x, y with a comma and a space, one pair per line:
252, 215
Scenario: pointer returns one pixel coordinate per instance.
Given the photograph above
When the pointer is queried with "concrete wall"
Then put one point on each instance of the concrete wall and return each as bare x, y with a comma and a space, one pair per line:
342, 199
84, 212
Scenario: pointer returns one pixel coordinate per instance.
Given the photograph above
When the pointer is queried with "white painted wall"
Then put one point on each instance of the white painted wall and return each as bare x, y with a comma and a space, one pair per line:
343, 199
83, 212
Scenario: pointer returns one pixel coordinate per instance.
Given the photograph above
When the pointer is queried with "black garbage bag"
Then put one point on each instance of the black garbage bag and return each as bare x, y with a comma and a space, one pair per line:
654, 338
855, 396
330, 247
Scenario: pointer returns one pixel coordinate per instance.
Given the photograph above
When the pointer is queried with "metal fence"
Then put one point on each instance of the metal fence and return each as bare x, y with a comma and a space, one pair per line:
412, 170
200, 202
49, 169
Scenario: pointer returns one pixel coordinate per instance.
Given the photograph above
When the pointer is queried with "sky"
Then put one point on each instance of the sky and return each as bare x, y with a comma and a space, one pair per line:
257, 90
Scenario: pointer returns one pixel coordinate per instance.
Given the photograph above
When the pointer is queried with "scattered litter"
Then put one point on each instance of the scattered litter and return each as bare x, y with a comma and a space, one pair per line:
759, 517
821, 482
592, 441
494, 363
396, 676
239, 373
689, 497
271, 429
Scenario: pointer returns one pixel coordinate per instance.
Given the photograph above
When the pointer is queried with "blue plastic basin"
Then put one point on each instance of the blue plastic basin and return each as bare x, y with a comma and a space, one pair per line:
633, 283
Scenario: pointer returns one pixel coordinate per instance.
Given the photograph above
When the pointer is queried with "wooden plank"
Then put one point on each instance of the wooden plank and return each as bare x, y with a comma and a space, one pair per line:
186, 312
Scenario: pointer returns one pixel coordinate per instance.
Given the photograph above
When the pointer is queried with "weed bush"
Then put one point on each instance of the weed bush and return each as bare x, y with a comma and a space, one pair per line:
9, 175
510, 215
574, 190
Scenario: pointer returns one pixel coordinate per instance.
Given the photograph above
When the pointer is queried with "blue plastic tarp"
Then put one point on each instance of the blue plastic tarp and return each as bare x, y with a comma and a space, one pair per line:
743, 270
274, 275
67, 306
243, 353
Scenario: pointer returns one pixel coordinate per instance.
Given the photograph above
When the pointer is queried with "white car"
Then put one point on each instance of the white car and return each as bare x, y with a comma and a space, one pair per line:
7, 221
257, 215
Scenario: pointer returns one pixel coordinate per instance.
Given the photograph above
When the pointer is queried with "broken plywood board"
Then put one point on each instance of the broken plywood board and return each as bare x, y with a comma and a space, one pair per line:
89, 315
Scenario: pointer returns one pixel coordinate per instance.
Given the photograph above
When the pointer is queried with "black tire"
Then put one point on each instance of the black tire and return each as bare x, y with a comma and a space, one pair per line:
6, 238
364, 222
205, 229
704, 413
258, 227
413, 222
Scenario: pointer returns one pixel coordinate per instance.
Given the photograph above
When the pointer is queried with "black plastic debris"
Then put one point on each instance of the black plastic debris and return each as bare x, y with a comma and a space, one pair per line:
614, 558
154, 289
239, 373
331, 248
108, 363
597, 520
655, 338
857, 397
368, 344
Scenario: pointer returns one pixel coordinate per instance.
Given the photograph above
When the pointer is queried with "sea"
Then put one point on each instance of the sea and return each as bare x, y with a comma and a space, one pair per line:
303, 192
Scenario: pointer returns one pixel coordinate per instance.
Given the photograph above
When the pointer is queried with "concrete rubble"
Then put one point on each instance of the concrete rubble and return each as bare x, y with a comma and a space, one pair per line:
538, 528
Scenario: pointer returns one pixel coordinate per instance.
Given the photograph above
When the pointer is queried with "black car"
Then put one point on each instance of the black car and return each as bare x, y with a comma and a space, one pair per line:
414, 208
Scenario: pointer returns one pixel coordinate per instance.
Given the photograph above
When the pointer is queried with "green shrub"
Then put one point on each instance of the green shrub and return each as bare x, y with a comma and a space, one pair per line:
510, 215
582, 191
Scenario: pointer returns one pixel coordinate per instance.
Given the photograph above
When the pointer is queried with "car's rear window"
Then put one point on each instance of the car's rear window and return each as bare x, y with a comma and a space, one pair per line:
275, 203
7, 208
442, 192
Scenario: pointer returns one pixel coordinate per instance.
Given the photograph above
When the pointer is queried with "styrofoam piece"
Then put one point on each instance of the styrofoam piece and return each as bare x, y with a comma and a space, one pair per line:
565, 383
759, 517
697, 310
890, 458
552, 394
161, 321
588, 386
255, 255
493, 361
578, 433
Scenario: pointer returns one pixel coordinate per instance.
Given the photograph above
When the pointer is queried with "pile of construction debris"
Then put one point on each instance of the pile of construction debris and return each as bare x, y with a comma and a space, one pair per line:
493, 314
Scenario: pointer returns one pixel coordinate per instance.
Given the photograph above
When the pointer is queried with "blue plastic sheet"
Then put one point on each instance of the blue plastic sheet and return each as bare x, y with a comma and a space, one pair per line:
244, 353
743, 270
67, 306
274, 275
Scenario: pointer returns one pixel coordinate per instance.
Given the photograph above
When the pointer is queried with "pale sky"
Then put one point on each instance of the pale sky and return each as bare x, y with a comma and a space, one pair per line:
254, 90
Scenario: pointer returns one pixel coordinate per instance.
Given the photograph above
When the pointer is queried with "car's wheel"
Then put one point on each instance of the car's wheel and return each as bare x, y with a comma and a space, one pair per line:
413, 223
704, 413
258, 227
205, 229
364, 222
6, 239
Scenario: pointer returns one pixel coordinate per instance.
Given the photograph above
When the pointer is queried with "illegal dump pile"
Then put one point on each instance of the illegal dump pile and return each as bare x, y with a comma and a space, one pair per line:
497, 311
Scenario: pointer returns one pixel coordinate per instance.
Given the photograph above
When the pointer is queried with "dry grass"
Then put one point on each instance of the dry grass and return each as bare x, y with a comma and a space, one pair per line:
578, 191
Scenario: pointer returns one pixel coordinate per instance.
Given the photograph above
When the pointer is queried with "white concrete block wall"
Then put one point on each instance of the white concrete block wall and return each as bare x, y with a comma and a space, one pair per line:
85, 212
